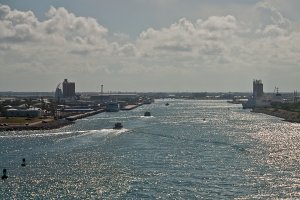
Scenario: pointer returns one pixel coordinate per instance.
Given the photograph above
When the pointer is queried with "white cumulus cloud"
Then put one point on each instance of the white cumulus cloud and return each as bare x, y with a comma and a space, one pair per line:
65, 45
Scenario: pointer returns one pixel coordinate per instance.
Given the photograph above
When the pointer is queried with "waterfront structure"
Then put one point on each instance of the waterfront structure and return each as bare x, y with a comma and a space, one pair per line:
68, 89
258, 92
101, 89
114, 97
259, 99
258, 89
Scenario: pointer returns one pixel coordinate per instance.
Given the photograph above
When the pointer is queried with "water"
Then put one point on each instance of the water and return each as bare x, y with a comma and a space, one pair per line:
187, 150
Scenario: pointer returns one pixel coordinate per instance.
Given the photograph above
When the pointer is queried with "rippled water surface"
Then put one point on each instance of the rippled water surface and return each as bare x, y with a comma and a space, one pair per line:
187, 150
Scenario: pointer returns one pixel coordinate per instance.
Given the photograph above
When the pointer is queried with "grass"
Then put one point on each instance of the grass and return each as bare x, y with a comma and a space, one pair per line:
293, 107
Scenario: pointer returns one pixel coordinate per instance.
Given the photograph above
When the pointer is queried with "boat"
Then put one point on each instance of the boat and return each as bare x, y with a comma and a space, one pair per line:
147, 114
112, 107
167, 104
118, 125
250, 104
147, 101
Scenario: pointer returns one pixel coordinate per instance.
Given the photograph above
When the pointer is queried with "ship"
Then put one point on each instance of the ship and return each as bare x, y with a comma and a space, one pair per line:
112, 107
250, 104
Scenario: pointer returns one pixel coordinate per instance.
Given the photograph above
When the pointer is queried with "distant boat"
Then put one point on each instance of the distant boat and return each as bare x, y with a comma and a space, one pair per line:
112, 107
250, 104
147, 114
167, 104
118, 125
147, 101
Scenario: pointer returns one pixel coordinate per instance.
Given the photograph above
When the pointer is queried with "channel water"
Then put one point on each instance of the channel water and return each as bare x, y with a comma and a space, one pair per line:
190, 149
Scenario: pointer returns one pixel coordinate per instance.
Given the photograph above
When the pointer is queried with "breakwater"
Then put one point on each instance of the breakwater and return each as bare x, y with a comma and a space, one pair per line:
83, 115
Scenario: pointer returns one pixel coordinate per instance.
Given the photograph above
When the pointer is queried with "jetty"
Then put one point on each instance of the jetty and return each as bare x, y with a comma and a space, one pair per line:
83, 115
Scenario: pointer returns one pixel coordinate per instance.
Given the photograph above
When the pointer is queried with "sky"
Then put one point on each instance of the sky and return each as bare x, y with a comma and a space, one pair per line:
150, 45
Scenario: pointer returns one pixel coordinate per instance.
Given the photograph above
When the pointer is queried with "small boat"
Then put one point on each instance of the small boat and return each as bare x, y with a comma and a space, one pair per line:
147, 114
23, 162
118, 125
4, 176
167, 104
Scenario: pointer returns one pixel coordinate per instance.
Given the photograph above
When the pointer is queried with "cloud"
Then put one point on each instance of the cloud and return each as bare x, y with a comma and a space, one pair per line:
73, 29
207, 40
64, 43
215, 23
271, 15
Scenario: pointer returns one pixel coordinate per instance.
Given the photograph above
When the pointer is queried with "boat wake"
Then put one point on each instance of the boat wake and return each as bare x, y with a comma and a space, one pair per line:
147, 117
26, 135
68, 134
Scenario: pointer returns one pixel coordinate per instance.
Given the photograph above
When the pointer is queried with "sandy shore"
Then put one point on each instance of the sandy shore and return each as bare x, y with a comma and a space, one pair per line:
286, 115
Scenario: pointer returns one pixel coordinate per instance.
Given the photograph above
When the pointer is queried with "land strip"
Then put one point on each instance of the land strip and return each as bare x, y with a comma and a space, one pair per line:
290, 116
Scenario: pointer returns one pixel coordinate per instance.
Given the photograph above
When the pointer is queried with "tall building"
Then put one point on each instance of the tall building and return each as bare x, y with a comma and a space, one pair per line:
68, 89
258, 89
58, 94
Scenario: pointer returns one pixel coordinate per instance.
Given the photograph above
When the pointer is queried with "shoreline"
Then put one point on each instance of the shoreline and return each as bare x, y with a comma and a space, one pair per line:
55, 124
286, 115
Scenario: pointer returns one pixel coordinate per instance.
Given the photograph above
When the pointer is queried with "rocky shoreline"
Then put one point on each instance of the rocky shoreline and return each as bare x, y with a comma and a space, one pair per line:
54, 124
284, 114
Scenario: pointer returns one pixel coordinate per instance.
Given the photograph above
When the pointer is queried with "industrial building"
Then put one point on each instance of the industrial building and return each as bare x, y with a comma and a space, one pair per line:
102, 98
68, 89
258, 89
58, 93
31, 112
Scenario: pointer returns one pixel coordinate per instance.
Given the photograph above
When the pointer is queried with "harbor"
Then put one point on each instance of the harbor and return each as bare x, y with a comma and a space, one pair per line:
63, 108
149, 100
174, 154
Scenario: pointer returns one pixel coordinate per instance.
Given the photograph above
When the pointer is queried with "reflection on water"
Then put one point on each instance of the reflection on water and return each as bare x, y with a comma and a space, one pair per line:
187, 150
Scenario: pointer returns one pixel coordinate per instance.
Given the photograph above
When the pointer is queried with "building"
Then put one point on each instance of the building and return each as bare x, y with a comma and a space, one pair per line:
58, 94
103, 98
261, 100
68, 89
31, 112
258, 89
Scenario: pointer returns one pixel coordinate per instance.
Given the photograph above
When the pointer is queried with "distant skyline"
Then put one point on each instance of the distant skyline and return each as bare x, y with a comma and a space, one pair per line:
150, 45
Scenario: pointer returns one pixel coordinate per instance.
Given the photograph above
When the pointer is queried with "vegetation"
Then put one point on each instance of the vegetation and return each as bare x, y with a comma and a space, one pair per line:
293, 107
